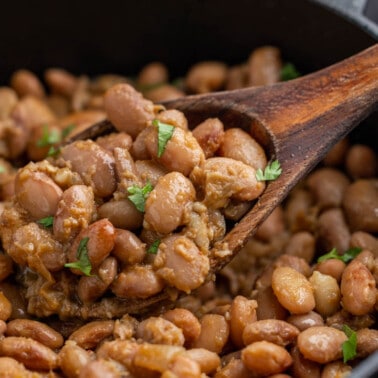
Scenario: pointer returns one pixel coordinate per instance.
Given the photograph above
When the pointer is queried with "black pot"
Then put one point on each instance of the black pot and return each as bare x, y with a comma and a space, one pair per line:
120, 37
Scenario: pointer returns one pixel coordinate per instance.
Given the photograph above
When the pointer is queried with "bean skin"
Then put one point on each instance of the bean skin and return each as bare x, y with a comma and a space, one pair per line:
8, 99
60, 81
358, 289
293, 290
128, 248
72, 359
305, 321
24, 82
302, 367
321, 344
332, 267
5, 307
173, 117
209, 361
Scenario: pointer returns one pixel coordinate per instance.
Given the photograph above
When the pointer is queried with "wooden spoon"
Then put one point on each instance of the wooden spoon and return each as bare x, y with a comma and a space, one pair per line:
297, 122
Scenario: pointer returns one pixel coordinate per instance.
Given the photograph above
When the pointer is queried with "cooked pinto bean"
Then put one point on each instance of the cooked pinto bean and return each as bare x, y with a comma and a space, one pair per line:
35, 330
6, 266
242, 313
332, 267
173, 117
60, 81
137, 281
160, 331
149, 170
103, 369
180, 263
305, 321
181, 154
125, 169
186, 321
293, 290
128, 248
206, 77
367, 341
272, 225
29, 352
165, 92
233, 369
364, 240
94, 164
360, 201
168, 203
8, 99
268, 305
24, 82
336, 155
321, 344
336, 369
72, 358
127, 109
5, 307
224, 178
89, 335
183, 367
208, 361
265, 358
74, 212
358, 289
101, 237
209, 134
273, 330
214, 333
361, 161
239, 145
152, 74
111, 141
301, 244
14, 368
37, 193
302, 367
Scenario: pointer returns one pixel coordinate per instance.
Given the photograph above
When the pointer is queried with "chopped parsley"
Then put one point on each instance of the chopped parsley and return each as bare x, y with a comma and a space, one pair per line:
48, 137
289, 72
349, 346
348, 255
271, 172
46, 222
139, 195
83, 263
53, 151
165, 133
154, 247
67, 130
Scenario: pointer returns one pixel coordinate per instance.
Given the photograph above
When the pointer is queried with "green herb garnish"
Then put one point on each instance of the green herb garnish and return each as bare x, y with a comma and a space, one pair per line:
53, 151
271, 172
2, 169
165, 133
67, 130
289, 72
349, 346
83, 264
139, 195
349, 255
48, 137
46, 222
154, 247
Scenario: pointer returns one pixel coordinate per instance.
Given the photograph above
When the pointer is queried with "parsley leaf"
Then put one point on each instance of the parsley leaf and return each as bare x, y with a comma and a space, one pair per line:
165, 133
289, 72
67, 130
154, 247
48, 137
46, 222
272, 171
349, 255
53, 151
349, 346
83, 264
139, 195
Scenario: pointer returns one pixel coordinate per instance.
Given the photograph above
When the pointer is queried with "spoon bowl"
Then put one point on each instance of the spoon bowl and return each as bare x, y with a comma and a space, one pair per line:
297, 122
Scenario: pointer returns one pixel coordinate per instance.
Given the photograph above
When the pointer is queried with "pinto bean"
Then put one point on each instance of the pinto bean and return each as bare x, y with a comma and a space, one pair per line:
321, 344
332, 267
273, 330
367, 342
81, 120
94, 164
180, 263
72, 358
93, 287
237, 77
152, 73
60, 81
293, 290
91, 334
127, 109
360, 201
6, 266
272, 225
101, 237
74, 212
24, 82
5, 307
128, 248
214, 333
157, 330
328, 186
137, 281
208, 361
301, 244
268, 305
167, 204
29, 352
186, 321
239, 145
264, 66
302, 322
181, 154
210, 135
233, 369
336, 155
8, 99
165, 92
206, 76
242, 313
224, 178
13, 368
336, 369
333, 230
122, 214
111, 141
358, 289
361, 161
35, 330
173, 117
37, 193
326, 292
103, 369
149, 170
265, 358
364, 240
301, 367
18, 302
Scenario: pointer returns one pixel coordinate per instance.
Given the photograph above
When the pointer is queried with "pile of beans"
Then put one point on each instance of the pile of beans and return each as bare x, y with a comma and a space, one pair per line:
274, 311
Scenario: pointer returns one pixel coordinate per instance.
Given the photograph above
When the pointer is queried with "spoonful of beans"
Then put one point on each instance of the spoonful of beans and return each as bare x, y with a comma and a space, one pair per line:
296, 122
